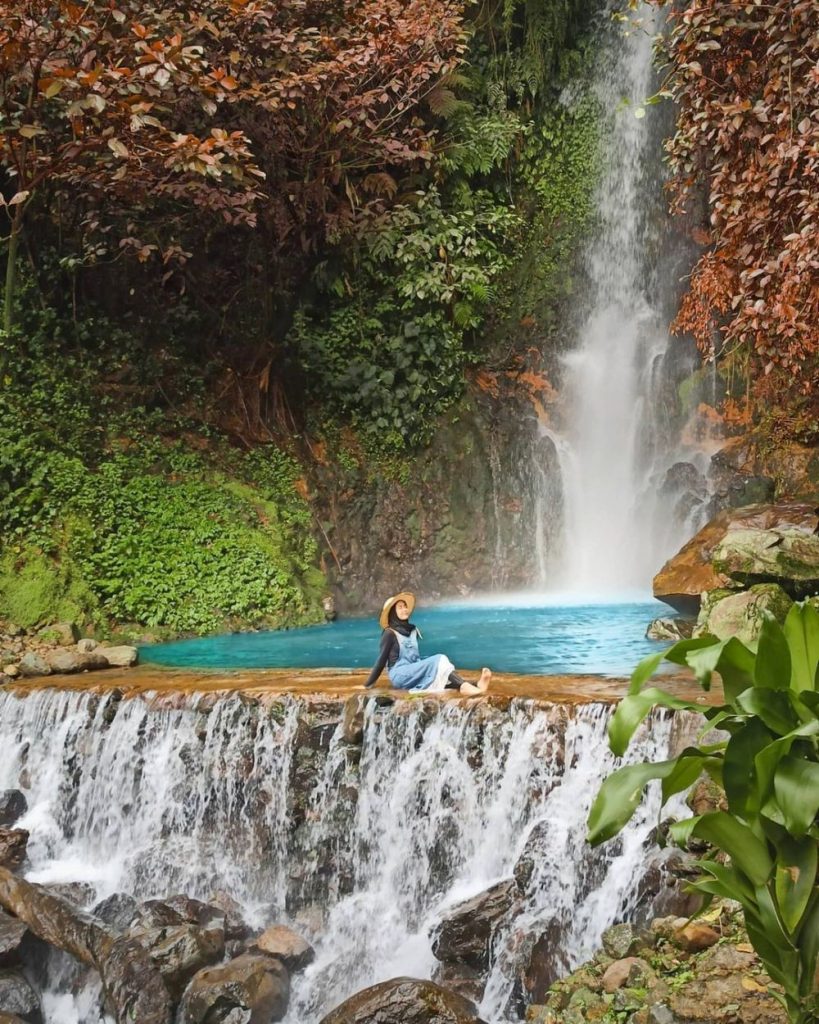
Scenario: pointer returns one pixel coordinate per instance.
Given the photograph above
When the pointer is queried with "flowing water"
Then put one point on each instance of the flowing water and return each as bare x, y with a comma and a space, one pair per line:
363, 846
620, 435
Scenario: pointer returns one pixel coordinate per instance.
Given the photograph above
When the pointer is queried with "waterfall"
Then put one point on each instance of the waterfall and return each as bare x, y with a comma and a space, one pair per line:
361, 842
619, 379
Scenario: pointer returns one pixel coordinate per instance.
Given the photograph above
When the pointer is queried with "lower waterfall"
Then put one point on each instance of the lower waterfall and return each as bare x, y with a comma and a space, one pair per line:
359, 823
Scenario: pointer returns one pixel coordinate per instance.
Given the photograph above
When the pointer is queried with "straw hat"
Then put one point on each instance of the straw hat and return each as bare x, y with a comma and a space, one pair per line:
405, 595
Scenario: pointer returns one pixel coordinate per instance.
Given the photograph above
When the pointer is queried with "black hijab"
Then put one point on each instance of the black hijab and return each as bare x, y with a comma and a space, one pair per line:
404, 628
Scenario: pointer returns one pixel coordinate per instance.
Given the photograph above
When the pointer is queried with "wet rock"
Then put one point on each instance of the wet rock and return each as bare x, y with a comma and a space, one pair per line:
119, 657
17, 997
13, 842
282, 942
34, 664
10, 1018
461, 979
80, 894
12, 931
179, 951
117, 911
66, 662
352, 722
465, 934
404, 1001
741, 615
620, 941
670, 630
236, 928
252, 989
13, 805
196, 912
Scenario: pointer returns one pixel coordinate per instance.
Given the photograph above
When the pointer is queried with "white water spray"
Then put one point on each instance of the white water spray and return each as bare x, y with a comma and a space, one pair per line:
155, 796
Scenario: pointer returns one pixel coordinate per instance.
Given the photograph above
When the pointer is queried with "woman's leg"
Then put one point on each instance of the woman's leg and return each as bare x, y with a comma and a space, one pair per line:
470, 689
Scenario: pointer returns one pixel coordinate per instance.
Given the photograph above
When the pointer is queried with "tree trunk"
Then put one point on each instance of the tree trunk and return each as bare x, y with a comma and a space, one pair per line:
11, 272
133, 986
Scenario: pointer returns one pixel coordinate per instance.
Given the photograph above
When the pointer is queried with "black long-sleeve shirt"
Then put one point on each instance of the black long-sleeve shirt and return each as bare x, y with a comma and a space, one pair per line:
387, 656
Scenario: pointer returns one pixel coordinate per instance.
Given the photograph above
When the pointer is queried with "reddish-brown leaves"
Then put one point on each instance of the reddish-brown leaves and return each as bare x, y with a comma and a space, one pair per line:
746, 78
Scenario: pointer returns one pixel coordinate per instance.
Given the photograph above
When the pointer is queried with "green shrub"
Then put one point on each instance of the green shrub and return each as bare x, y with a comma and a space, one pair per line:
769, 769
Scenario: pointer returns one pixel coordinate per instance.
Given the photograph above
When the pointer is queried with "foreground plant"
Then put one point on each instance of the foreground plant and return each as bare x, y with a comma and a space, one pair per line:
769, 769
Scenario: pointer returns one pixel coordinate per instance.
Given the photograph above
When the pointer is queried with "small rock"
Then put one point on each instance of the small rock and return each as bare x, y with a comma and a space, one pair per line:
629, 971
12, 671
12, 629
282, 942
13, 805
18, 998
12, 931
87, 645
34, 664
119, 657
661, 1014
695, 937
670, 630
13, 842
620, 941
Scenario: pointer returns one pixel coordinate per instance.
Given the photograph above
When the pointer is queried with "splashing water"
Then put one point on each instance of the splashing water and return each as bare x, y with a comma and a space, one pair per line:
362, 846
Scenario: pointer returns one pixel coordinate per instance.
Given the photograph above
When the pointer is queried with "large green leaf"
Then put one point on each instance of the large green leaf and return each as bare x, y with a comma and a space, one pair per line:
644, 671
796, 788
678, 654
633, 709
733, 661
773, 707
736, 885
739, 768
796, 863
619, 796
691, 763
809, 944
773, 659
802, 632
747, 852
768, 759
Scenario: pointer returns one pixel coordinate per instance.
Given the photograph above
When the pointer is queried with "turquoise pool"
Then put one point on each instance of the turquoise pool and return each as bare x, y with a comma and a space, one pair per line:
520, 635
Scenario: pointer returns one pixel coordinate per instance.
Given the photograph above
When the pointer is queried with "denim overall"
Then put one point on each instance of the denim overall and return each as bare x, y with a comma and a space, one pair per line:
411, 671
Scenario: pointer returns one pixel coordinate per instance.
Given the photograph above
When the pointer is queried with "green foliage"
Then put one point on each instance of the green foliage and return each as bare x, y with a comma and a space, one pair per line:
108, 516
391, 355
769, 769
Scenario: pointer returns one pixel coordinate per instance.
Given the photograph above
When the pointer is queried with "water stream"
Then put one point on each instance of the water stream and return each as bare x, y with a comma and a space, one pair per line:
362, 846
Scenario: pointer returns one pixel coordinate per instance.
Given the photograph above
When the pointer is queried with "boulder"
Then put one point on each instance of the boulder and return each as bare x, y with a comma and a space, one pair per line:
684, 577
34, 664
66, 662
13, 843
404, 1001
63, 633
465, 934
119, 657
252, 989
786, 556
179, 951
282, 942
12, 931
117, 911
670, 630
17, 997
13, 805
87, 645
236, 928
741, 615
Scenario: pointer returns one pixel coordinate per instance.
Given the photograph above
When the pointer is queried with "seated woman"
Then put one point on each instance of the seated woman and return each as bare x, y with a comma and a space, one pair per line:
406, 669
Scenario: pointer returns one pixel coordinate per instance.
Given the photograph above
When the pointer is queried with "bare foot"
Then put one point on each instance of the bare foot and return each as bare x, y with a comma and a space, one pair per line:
485, 680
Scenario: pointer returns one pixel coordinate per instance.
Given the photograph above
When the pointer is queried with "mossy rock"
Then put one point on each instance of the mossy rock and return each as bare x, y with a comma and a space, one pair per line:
741, 615
788, 557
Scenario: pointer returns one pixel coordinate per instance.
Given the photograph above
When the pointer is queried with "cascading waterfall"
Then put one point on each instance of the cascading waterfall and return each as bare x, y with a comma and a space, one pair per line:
620, 524
362, 842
